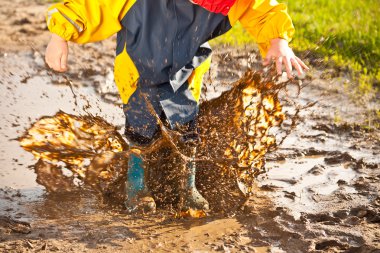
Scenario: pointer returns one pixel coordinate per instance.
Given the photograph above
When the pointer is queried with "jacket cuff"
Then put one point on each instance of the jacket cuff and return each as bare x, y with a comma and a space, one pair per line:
276, 28
280, 26
59, 25
61, 33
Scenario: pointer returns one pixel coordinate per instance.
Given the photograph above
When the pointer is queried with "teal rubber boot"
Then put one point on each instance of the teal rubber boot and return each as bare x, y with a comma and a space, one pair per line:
193, 199
137, 193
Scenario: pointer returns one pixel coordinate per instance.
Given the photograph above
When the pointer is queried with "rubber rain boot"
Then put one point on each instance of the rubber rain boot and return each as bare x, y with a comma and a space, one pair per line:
193, 199
137, 193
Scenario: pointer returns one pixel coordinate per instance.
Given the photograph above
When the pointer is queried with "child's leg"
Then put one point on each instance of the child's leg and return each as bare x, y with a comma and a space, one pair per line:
137, 192
138, 110
192, 197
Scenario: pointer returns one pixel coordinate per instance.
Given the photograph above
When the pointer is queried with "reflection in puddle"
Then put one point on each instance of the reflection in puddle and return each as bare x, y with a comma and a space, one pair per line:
35, 203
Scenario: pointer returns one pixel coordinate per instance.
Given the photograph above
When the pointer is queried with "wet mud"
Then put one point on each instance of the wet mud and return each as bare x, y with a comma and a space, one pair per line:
231, 147
319, 192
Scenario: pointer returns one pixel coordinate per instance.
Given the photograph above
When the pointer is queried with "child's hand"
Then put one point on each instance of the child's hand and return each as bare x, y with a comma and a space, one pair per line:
281, 53
56, 53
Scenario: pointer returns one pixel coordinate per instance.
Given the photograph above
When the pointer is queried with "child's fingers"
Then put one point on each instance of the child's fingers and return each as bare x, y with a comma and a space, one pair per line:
297, 66
268, 59
56, 64
53, 64
302, 64
288, 67
53, 61
63, 63
279, 65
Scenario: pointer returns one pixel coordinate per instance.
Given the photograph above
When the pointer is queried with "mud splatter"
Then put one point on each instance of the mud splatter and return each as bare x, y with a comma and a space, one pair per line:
9, 225
78, 222
235, 131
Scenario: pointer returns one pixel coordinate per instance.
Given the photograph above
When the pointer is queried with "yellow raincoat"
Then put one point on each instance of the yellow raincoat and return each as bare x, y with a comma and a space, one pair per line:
162, 46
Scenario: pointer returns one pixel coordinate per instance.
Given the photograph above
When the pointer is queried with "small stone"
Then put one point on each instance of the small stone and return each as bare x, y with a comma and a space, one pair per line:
342, 214
353, 220
362, 213
317, 170
341, 182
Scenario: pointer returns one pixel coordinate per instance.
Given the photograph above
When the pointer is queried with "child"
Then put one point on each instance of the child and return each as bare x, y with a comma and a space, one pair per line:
162, 55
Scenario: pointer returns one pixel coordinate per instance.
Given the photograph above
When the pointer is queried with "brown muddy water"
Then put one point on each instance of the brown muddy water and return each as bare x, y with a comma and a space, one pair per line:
320, 191
235, 134
319, 194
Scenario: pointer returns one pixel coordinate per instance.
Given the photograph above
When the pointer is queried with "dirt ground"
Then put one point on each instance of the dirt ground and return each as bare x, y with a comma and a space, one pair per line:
320, 194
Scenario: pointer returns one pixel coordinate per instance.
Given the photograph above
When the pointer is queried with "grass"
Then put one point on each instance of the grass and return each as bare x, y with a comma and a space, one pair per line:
343, 33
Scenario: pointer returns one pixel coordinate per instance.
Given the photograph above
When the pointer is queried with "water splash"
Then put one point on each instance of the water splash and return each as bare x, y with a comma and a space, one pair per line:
237, 129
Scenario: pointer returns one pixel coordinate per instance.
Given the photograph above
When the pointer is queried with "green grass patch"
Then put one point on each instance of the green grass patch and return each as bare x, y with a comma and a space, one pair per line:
344, 33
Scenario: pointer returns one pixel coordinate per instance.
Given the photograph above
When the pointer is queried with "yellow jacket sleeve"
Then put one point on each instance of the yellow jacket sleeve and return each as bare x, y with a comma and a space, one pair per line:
264, 20
83, 21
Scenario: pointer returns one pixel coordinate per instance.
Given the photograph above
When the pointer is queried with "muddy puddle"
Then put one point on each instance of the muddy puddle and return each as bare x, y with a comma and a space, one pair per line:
300, 182
38, 93
320, 192
86, 152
